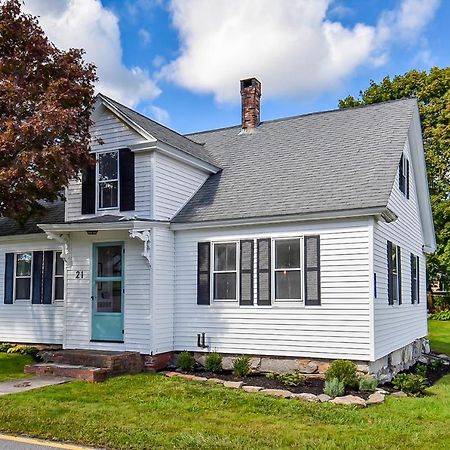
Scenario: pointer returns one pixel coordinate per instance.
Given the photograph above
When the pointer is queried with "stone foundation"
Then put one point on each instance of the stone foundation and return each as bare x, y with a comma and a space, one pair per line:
153, 363
388, 366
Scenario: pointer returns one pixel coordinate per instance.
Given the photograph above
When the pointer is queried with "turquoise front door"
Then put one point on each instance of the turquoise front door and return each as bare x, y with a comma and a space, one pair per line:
107, 292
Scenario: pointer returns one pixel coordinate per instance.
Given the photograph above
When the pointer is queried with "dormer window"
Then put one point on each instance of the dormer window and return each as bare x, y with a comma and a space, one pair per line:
108, 180
403, 179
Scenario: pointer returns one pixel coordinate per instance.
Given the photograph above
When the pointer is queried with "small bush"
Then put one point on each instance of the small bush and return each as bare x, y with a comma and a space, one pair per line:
241, 366
23, 350
271, 376
334, 387
291, 379
186, 362
436, 364
5, 347
368, 383
422, 370
412, 384
441, 315
213, 362
344, 371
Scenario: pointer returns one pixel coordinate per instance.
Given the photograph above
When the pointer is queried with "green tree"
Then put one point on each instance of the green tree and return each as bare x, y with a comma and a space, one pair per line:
46, 97
432, 90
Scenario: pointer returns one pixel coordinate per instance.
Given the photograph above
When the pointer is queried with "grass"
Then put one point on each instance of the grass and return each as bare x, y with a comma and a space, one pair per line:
151, 411
439, 334
11, 366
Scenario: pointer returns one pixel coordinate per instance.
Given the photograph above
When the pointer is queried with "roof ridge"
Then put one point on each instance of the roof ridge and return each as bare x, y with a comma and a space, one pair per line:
314, 113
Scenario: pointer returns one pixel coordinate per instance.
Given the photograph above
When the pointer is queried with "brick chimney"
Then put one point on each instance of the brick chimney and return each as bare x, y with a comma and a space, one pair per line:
251, 103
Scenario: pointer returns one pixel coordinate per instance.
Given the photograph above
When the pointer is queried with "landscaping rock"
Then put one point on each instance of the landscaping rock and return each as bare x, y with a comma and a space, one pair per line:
251, 388
233, 384
309, 368
305, 396
171, 374
278, 365
323, 366
195, 378
323, 398
215, 381
349, 400
185, 376
399, 394
375, 398
363, 368
444, 356
277, 393
423, 360
382, 391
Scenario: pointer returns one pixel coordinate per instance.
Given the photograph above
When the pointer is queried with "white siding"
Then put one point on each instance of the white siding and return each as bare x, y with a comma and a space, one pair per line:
22, 321
174, 184
398, 325
163, 263
339, 328
137, 304
114, 134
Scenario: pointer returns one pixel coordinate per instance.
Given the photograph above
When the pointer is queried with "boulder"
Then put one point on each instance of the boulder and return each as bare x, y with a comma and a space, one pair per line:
399, 394
375, 398
305, 396
349, 400
278, 365
277, 393
309, 368
323, 398
323, 366
382, 391
233, 384
251, 388
171, 374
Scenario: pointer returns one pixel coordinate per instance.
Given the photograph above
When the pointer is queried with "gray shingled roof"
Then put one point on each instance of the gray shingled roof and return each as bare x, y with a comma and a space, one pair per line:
164, 134
322, 162
53, 213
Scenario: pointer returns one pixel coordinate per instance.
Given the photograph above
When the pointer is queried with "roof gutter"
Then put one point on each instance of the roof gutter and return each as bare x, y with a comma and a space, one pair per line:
105, 226
380, 212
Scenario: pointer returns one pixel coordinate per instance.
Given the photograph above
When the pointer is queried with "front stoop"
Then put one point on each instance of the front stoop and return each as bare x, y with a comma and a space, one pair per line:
89, 365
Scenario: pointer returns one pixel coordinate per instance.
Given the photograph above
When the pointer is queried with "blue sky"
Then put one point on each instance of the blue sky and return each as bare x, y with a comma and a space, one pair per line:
180, 61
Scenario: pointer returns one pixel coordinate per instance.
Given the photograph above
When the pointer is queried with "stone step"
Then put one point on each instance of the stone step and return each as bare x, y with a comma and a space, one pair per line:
80, 372
115, 362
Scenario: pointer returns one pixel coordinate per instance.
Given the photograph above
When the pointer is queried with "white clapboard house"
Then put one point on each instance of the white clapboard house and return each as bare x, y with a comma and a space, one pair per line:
297, 239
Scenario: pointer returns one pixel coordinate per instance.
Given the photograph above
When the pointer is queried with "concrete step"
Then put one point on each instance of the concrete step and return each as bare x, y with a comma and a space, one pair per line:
80, 372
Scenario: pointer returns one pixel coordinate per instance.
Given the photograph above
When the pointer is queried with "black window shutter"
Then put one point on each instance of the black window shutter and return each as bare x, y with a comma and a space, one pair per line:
399, 262
47, 285
312, 270
9, 278
127, 188
263, 272
88, 191
390, 274
246, 272
401, 176
407, 180
418, 279
413, 284
36, 296
203, 273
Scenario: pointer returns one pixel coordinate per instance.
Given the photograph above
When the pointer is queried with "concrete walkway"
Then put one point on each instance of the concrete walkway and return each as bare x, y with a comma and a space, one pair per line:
27, 384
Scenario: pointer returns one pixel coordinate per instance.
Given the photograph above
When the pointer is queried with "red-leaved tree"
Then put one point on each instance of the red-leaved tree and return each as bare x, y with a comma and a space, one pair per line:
46, 97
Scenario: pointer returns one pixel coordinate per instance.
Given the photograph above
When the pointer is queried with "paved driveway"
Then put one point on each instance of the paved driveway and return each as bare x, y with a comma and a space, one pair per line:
22, 443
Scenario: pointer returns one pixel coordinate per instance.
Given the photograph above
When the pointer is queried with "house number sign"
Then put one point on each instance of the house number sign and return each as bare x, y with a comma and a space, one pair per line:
79, 274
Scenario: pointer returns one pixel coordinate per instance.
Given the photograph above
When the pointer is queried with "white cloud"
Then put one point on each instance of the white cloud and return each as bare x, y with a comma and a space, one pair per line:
290, 45
87, 24
157, 113
145, 37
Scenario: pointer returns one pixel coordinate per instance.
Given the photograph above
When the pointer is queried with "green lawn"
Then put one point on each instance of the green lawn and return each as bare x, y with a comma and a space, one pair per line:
11, 366
439, 334
151, 411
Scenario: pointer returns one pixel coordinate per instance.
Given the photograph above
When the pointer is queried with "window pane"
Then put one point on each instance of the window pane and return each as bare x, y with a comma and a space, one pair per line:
59, 288
288, 284
23, 265
23, 288
395, 288
287, 254
394, 258
59, 264
107, 166
225, 256
109, 261
225, 286
108, 194
109, 296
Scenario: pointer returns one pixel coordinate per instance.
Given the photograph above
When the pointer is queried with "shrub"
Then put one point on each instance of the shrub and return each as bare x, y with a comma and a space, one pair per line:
271, 376
344, 371
5, 347
292, 379
436, 364
213, 362
186, 362
241, 366
368, 383
441, 315
422, 369
410, 383
23, 350
334, 387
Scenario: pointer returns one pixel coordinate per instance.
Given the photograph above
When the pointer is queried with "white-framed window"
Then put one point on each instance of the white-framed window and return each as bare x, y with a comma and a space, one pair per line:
225, 271
108, 180
287, 269
22, 275
58, 277
396, 290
